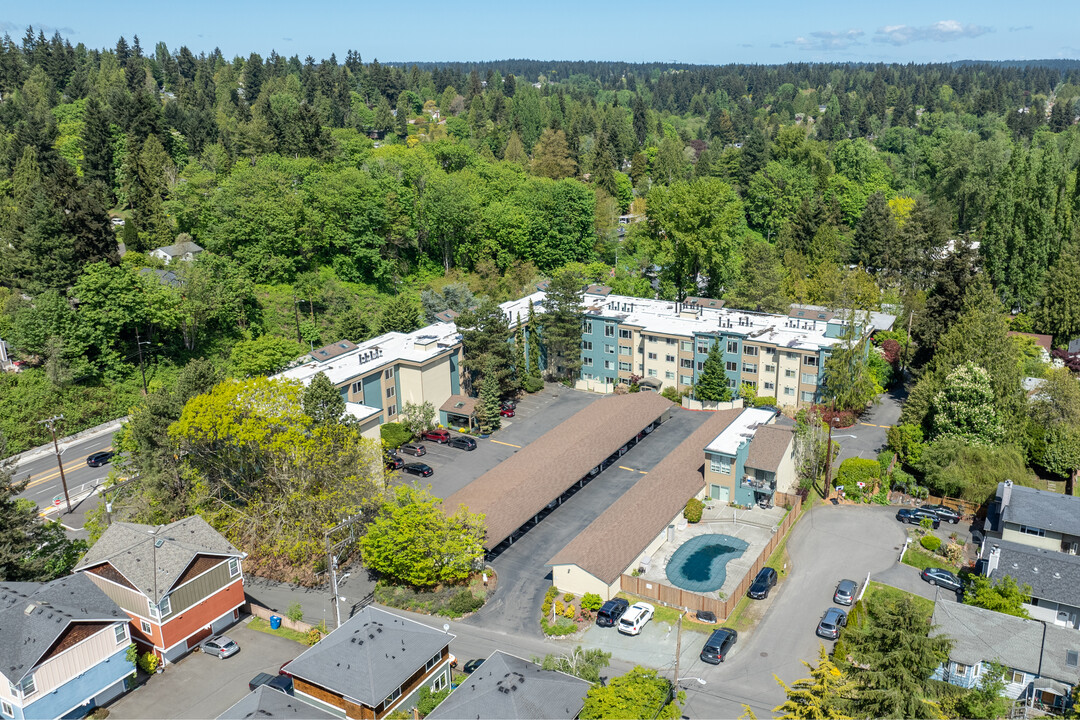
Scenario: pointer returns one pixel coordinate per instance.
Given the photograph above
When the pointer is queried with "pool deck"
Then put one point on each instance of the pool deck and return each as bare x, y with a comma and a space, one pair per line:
752, 526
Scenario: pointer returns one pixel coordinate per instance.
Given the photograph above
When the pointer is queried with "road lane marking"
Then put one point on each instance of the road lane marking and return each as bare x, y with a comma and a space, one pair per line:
56, 473
506, 443
623, 467
868, 424
643, 472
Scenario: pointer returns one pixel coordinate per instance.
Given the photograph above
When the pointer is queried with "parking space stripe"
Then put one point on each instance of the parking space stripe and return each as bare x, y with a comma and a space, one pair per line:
643, 472
623, 467
506, 443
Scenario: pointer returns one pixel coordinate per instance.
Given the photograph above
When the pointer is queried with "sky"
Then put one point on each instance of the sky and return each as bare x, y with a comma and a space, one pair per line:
691, 31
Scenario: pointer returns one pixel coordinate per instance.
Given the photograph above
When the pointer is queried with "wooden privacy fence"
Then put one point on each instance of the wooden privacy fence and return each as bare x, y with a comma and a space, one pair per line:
964, 507
692, 601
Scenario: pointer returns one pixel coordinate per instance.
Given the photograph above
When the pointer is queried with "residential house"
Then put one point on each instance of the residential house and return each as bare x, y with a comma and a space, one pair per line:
751, 460
1040, 660
269, 703
373, 665
1038, 518
185, 250
179, 583
507, 687
63, 649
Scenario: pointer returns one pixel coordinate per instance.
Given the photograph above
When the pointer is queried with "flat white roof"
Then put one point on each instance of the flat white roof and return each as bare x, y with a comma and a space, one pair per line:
739, 431
390, 348
360, 411
520, 307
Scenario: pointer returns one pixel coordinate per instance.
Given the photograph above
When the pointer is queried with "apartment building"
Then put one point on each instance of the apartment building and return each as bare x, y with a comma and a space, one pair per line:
664, 344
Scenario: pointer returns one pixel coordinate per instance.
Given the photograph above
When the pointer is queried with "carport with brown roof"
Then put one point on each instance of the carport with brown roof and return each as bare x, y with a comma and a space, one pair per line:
517, 490
613, 541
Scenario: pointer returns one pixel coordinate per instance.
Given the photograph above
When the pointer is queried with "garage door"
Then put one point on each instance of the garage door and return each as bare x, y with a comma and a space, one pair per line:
198, 637
720, 492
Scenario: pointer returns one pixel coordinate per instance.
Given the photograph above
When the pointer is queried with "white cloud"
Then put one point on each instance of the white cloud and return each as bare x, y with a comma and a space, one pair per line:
828, 40
941, 31
1020, 28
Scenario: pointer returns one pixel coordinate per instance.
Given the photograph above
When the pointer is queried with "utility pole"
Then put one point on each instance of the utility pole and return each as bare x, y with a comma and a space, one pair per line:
142, 369
678, 651
907, 343
828, 459
331, 561
51, 424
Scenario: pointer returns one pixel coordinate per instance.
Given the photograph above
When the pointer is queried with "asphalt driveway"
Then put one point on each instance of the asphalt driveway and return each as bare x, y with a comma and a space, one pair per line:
201, 686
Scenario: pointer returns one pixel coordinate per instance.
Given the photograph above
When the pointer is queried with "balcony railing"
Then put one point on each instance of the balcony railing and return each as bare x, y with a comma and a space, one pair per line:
758, 485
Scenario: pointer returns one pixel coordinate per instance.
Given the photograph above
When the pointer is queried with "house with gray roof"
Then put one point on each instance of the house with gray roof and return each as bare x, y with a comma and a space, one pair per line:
373, 665
1054, 578
63, 648
1038, 518
268, 703
179, 583
1040, 659
507, 687
185, 250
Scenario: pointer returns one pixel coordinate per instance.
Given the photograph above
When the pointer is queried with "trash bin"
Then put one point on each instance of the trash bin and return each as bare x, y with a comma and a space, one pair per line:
275, 622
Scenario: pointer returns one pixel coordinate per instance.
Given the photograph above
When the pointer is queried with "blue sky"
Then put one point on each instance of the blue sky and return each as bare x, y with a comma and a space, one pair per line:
693, 31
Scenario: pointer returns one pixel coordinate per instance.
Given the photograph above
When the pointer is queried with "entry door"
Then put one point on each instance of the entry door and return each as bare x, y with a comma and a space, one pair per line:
714, 492
725, 494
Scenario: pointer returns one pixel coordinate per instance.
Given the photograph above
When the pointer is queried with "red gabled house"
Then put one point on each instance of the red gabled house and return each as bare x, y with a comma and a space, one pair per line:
179, 583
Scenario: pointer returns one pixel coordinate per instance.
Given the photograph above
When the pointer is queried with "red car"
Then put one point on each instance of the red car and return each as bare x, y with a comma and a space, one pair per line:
507, 412
438, 435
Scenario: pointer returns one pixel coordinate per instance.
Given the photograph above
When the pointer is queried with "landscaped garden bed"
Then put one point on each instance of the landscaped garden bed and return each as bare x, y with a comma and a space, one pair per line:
452, 601
566, 613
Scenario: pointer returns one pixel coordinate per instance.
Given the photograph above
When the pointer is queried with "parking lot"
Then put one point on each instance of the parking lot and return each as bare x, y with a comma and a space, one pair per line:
202, 686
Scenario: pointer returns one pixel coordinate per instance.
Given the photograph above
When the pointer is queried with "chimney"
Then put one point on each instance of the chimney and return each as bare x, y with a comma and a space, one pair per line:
992, 560
1006, 495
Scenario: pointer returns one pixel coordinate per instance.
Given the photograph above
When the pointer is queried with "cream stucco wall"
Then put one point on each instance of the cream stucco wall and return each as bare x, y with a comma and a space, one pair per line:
571, 578
787, 479
436, 386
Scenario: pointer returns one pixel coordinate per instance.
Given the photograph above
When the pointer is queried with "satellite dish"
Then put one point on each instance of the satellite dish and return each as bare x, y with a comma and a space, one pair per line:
446, 627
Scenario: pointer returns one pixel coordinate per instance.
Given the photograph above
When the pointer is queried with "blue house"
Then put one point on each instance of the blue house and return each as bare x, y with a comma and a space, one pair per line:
751, 460
63, 649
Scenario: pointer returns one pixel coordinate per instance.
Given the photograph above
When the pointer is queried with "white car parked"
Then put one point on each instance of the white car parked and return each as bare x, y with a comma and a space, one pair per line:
635, 618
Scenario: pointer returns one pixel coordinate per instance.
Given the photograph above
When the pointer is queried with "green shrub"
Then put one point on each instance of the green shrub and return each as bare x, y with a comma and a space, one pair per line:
148, 662
532, 384
855, 470
591, 601
430, 700
395, 434
464, 602
295, 612
671, 394
561, 626
930, 542
692, 511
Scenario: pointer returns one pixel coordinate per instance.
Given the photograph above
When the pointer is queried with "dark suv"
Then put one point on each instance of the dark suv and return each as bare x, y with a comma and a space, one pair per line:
944, 513
611, 611
765, 580
462, 443
914, 516
718, 646
283, 683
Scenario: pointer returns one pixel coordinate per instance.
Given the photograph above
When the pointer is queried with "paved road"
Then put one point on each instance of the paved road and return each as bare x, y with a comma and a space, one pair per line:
867, 438
523, 575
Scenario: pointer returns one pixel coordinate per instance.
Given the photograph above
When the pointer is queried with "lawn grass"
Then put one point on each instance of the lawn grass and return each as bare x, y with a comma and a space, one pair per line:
670, 615
264, 626
916, 557
890, 593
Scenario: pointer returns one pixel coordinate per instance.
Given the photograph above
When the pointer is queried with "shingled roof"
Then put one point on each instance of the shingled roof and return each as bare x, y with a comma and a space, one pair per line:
152, 559
369, 656
522, 485
507, 687
33, 616
1052, 575
768, 447
267, 703
615, 539
980, 635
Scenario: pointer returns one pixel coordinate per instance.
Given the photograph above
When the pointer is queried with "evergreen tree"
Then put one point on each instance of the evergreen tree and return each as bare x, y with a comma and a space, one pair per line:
562, 323
822, 696
1059, 314
97, 146
322, 402
485, 333
402, 119
641, 119
400, 314
712, 382
874, 234
487, 411
551, 156
533, 367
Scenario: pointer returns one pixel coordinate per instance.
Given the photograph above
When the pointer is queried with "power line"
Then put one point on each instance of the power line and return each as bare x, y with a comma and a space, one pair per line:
51, 424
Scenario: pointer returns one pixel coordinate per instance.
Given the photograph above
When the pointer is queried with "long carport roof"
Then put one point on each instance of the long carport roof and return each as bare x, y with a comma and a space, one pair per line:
518, 488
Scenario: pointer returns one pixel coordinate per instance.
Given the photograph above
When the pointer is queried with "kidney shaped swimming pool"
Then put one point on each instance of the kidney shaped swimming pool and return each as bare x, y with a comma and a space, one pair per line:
700, 563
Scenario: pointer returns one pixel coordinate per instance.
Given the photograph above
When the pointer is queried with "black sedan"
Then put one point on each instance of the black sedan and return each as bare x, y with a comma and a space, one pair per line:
941, 578
765, 580
472, 665
100, 458
421, 469
943, 513
914, 516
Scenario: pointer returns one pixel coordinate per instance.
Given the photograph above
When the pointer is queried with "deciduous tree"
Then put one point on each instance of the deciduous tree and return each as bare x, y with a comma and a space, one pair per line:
641, 693
822, 696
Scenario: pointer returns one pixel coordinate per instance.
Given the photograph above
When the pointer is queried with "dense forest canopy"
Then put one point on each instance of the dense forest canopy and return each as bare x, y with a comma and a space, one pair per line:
327, 195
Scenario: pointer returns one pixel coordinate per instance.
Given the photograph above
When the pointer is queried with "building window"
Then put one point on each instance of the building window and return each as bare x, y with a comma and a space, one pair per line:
733, 347
1072, 658
389, 374
720, 465
752, 384
652, 356
28, 686
609, 365
120, 633
391, 392
731, 366
732, 383
809, 379
789, 391
652, 373
641, 367
686, 363
670, 341
8, 712
433, 661
357, 387
586, 361
586, 345
807, 397
391, 698
686, 380
669, 358
770, 386
1037, 532
1014, 676
588, 327
440, 683
700, 365
234, 567
626, 334
609, 349
810, 360
702, 350
625, 366
145, 626
392, 410
623, 350
669, 375
749, 368
960, 669
749, 350
587, 376
789, 373
768, 350
609, 331
791, 356
686, 345
770, 368
165, 606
